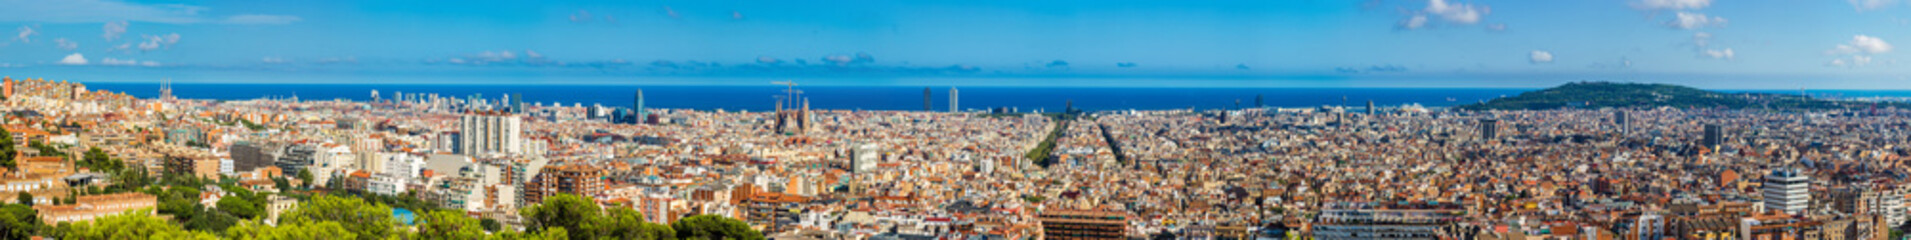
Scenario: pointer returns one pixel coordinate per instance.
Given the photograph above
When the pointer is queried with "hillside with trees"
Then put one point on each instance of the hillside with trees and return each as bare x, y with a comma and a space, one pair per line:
1653, 95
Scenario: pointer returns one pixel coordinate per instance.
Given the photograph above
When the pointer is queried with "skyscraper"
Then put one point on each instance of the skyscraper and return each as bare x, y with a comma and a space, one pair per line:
639, 107
952, 100
1787, 190
1258, 102
517, 103
1489, 129
1714, 135
1619, 119
490, 132
1370, 107
925, 99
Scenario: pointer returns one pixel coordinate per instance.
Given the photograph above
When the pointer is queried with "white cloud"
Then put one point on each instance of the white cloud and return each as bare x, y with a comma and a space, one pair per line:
118, 62
1862, 44
1837, 62
1457, 13
1415, 22
155, 42
1719, 54
26, 31
1701, 39
75, 59
65, 45
1687, 20
273, 60
1860, 60
1452, 13
114, 29
1671, 4
1864, 5
1538, 56
260, 19
127, 62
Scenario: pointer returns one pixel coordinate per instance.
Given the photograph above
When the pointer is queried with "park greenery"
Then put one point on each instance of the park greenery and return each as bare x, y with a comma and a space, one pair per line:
243, 214
1593, 95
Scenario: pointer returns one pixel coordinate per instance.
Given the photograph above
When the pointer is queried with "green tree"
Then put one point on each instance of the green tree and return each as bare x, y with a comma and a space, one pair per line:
18, 221
315, 231
210, 220
6, 150
367, 220
714, 227
25, 199
282, 184
239, 207
490, 225
133, 224
625, 223
570, 212
547, 234
448, 225
305, 178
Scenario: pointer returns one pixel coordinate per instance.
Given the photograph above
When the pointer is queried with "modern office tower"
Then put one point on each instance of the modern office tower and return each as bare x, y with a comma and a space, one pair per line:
1370, 107
1258, 101
1619, 118
925, 99
1713, 136
1489, 129
375, 95
639, 107
490, 132
517, 103
1787, 190
952, 100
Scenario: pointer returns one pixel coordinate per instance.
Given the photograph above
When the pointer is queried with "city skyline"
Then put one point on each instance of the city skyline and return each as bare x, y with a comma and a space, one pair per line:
1416, 44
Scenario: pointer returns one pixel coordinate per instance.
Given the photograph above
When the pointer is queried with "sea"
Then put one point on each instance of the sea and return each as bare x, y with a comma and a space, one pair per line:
763, 98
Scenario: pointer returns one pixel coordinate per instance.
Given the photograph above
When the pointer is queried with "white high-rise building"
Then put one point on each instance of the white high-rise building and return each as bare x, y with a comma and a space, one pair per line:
490, 132
953, 100
1787, 190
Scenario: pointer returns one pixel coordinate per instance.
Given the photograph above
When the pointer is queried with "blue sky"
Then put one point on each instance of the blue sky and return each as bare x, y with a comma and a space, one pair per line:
1301, 43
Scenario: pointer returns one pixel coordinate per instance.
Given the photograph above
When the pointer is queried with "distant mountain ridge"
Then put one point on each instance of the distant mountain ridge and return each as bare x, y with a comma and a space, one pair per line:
1653, 95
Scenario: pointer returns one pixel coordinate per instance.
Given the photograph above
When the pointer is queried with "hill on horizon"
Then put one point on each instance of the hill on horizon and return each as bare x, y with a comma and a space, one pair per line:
1653, 95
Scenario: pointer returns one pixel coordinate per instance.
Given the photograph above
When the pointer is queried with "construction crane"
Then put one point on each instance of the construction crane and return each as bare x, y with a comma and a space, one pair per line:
790, 93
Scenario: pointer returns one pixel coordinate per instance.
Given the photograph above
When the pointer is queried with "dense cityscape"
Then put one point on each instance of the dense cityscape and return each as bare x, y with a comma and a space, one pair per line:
955, 120
93, 163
